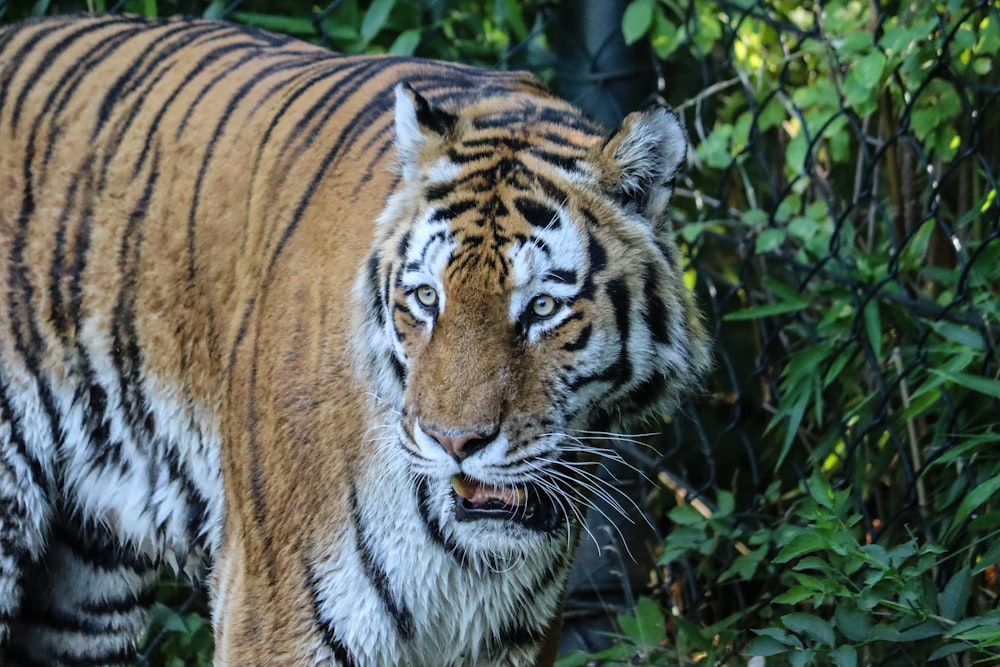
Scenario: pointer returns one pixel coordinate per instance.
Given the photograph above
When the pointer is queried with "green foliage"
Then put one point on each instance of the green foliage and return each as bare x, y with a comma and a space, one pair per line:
493, 33
179, 633
857, 175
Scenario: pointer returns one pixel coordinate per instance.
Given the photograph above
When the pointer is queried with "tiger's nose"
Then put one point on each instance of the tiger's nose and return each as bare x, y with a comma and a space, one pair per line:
460, 444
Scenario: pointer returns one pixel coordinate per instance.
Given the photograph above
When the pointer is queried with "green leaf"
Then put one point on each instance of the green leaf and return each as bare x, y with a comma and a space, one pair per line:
513, 16
725, 502
955, 596
977, 383
883, 632
406, 43
811, 626
637, 20
745, 565
647, 626
215, 10
767, 310
795, 154
975, 627
868, 69
921, 631
852, 622
970, 502
946, 650
575, 659
794, 595
820, 490
375, 18
769, 240
795, 414
686, 515
855, 42
665, 36
766, 647
873, 327
844, 656
801, 544
990, 558
289, 25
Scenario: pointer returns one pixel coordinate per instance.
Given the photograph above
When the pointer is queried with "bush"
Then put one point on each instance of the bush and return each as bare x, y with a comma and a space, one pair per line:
844, 229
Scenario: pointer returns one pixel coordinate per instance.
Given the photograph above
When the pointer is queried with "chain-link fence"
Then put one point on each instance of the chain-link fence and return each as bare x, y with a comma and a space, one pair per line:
840, 214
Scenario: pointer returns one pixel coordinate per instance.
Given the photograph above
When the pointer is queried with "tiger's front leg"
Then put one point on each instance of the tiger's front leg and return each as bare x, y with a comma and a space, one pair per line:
84, 603
24, 516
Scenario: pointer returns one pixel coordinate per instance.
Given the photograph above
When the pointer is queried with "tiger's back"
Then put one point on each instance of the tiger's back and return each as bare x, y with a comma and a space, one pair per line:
210, 350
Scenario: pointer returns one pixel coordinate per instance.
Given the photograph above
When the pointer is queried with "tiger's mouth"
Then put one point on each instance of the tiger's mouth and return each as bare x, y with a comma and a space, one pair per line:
523, 505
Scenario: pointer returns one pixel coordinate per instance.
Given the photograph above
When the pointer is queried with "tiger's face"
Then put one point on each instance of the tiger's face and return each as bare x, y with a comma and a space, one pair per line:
529, 302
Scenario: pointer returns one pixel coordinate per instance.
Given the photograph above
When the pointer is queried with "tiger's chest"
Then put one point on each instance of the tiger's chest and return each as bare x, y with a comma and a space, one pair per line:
399, 593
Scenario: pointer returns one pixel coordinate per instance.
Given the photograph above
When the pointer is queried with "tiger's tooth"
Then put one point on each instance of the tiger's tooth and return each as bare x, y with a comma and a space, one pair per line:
478, 493
463, 487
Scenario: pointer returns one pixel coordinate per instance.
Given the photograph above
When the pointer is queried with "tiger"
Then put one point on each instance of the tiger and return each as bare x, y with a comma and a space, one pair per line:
346, 337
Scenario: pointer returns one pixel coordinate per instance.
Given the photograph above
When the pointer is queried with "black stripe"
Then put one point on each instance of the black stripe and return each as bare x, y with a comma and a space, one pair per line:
139, 71
250, 48
225, 117
398, 369
258, 495
377, 106
438, 191
65, 91
196, 504
134, 599
272, 180
62, 621
48, 59
656, 315
598, 260
566, 276
620, 371
433, 530
95, 418
401, 616
537, 214
191, 73
520, 635
28, 341
340, 650
647, 393
346, 78
93, 545
375, 309
37, 473
580, 341
453, 210
385, 142
58, 309
126, 350
25, 658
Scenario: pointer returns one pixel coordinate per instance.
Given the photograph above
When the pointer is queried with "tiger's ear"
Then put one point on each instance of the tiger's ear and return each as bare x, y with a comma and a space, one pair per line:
418, 126
641, 160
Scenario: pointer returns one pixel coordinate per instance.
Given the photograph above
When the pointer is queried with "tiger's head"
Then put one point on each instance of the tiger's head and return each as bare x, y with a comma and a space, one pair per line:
523, 298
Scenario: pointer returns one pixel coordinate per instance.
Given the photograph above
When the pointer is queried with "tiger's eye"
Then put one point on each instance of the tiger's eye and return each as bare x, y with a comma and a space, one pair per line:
543, 305
427, 296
